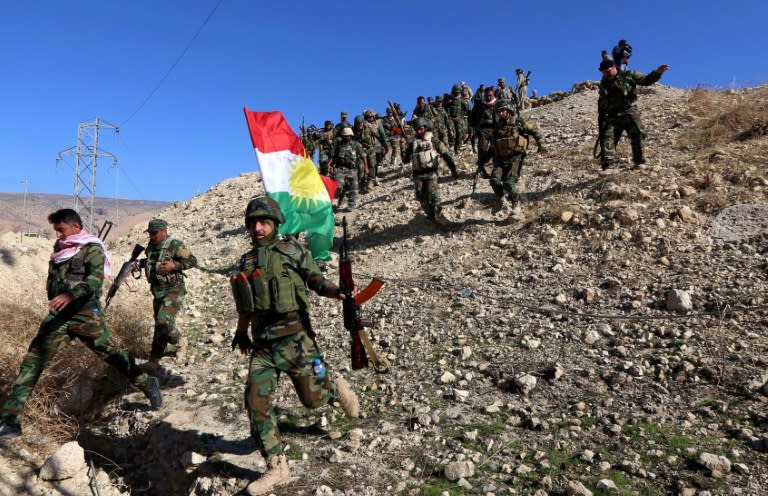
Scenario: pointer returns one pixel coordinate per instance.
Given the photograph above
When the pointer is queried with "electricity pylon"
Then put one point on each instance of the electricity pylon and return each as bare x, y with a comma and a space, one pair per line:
87, 153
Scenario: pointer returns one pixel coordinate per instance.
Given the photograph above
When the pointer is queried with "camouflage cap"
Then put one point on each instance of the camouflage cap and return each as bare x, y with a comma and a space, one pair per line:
344, 114
502, 80
156, 225
263, 207
439, 98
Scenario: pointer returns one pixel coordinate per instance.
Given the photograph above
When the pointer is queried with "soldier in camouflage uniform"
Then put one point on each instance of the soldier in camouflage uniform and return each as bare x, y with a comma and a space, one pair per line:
424, 152
510, 142
166, 260
272, 301
309, 140
421, 108
394, 131
76, 273
618, 112
378, 145
345, 167
343, 123
481, 119
325, 143
440, 119
458, 112
504, 93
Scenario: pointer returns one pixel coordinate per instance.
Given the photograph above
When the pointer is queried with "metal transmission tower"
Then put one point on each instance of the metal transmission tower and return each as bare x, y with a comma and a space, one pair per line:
87, 153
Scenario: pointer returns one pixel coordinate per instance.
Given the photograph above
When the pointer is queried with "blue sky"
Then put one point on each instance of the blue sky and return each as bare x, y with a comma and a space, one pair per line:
70, 62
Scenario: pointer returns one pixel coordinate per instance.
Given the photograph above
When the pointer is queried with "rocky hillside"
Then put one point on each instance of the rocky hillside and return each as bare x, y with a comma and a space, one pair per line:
611, 337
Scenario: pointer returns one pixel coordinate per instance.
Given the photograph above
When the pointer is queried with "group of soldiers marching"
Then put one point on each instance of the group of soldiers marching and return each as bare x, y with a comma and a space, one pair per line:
439, 128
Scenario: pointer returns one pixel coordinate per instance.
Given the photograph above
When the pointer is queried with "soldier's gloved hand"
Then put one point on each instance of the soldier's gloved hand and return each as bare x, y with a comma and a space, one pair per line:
242, 341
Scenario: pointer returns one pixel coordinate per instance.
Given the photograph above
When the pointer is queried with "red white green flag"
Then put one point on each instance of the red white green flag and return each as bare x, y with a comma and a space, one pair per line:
291, 179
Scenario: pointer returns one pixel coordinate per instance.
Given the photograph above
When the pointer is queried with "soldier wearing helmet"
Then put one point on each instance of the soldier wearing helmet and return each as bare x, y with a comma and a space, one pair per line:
375, 144
270, 291
509, 147
424, 153
458, 112
348, 162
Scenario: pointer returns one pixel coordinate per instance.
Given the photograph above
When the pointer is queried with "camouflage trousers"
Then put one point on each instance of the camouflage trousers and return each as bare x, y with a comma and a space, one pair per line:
459, 133
348, 185
611, 134
484, 137
292, 355
394, 149
56, 331
427, 193
505, 175
166, 304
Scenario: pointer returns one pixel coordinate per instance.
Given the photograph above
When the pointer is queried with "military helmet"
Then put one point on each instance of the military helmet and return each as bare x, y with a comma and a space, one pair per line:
419, 122
369, 112
506, 106
328, 123
456, 88
264, 207
347, 131
359, 119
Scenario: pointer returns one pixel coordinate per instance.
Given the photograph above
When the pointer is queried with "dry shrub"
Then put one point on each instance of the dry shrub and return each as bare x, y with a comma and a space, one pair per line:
130, 331
75, 383
737, 116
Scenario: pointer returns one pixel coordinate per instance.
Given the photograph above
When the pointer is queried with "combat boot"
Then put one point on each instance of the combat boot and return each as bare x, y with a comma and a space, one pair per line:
9, 429
153, 394
498, 205
347, 398
277, 473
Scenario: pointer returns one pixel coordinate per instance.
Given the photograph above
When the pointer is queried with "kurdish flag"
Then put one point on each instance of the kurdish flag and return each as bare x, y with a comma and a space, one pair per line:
291, 179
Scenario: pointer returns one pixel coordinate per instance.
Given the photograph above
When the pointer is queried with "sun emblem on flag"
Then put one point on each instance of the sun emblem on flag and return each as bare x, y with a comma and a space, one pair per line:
304, 182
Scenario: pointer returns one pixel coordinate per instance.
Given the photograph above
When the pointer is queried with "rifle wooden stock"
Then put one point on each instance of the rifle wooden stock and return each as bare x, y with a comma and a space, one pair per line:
123, 274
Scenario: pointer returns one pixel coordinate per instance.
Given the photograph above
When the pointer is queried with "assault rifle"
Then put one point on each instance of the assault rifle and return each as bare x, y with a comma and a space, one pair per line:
598, 150
353, 320
123, 274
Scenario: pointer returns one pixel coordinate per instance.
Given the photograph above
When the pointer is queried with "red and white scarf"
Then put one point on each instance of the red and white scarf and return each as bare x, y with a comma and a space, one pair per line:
71, 245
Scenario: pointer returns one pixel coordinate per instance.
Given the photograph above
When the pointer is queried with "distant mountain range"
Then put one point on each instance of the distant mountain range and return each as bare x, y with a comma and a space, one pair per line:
31, 216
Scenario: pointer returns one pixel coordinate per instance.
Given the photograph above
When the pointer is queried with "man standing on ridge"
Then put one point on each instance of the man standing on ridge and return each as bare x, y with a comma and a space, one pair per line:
166, 260
618, 112
76, 273
272, 302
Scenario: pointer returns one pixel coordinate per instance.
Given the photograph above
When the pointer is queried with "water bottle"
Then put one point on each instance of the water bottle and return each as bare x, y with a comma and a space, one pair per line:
318, 367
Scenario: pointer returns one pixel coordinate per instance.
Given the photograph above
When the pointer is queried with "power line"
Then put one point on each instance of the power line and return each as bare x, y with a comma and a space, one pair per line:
173, 66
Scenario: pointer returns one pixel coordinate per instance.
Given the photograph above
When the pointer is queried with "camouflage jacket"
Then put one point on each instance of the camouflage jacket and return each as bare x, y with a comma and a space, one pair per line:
169, 248
348, 154
82, 275
482, 116
507, 129
309, 145
618, 96
377, 130
325, 144
506, 94
280, 274
458, 109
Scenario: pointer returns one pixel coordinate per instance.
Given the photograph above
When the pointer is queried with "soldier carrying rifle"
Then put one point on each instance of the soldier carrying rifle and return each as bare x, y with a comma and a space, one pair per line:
270, 291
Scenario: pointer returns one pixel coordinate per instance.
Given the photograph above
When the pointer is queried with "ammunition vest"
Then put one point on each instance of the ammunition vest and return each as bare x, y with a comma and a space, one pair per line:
66, 275
348, 155
155, 256
424, 156
269, 280
509, 140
